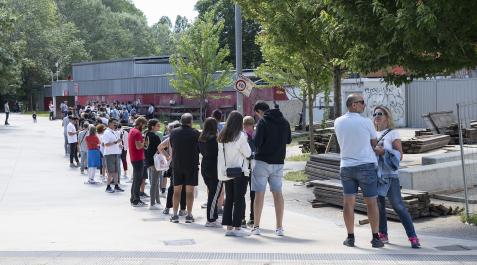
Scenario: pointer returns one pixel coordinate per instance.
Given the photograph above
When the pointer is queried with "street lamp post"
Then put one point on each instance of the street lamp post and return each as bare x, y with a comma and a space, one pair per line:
238, 53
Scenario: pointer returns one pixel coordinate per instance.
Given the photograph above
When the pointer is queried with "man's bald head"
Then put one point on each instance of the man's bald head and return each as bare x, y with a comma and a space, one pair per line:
353, 98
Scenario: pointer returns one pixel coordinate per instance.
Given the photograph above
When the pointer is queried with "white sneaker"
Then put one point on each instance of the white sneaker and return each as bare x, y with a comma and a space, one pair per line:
241, 233
230, 233
213, 224
279, 231
256, 231
155, 207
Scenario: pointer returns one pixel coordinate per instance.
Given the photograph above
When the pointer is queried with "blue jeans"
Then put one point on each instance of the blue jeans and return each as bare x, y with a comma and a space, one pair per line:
394, 197
363, 176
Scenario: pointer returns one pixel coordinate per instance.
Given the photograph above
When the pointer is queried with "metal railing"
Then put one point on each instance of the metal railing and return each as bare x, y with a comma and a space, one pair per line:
467, 121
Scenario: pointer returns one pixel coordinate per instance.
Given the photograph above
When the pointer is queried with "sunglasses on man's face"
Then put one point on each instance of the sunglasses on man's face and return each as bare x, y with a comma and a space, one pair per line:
359, 101
378, 114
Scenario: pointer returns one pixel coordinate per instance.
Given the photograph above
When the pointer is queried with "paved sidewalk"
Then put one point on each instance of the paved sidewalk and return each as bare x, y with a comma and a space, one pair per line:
49, 216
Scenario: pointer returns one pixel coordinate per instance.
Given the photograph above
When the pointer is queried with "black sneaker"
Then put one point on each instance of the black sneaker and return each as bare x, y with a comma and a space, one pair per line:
174, 219
349, 242
376, 243
117, 188
139, 204
109, 189
189, 219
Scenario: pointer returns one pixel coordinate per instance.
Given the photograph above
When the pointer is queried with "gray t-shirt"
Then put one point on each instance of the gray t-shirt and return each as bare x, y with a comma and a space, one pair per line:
82, 140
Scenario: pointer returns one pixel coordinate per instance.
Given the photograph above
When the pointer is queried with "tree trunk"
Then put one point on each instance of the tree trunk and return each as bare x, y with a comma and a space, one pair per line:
310, 115
303, 111
337, 72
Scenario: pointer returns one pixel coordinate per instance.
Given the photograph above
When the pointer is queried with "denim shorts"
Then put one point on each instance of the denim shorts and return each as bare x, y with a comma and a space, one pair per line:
364, 176
263, 172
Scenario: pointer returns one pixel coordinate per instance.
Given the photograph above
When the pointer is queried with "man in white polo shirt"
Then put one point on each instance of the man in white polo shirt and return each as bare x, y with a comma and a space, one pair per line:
358, 167
112, 150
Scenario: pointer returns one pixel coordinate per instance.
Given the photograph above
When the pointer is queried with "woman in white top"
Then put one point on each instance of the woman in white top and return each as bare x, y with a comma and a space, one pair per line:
233, 152
389, 153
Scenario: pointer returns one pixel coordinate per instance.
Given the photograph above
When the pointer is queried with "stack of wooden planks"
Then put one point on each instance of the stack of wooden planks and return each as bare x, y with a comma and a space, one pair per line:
322, 138
323, 166
331, 192
424, 143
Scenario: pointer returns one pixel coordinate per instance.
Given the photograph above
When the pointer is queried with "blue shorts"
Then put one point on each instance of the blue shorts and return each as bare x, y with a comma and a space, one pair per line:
364, 176
263, 172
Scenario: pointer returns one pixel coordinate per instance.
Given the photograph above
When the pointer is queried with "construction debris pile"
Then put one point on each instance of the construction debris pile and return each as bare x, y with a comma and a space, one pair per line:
424, 143
445, 122
323, 166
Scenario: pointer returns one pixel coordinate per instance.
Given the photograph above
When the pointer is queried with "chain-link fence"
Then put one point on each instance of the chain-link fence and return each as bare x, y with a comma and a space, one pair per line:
467, 119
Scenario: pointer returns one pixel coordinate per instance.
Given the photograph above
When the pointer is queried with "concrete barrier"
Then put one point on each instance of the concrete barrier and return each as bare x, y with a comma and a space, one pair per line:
446, 176
447, 157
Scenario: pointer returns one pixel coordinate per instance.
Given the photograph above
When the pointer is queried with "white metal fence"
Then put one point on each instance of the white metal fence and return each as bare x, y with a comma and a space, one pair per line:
466, 113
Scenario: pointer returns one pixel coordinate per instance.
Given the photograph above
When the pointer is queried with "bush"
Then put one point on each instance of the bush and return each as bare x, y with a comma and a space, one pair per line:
471, 220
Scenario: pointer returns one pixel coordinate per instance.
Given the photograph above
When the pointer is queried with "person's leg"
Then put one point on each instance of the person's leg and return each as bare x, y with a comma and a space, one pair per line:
124, 161
395, 198
154, 175
66, 143
367, 177
91, 173
350, 189
189, 198
214, 188
252, 201
75, 152
176, 198
72, 153
259, 184
83, 161
239, 190
118, 166
383, 224
137, 179
170, 193
6, 117
275, 181
183, 201
228, 205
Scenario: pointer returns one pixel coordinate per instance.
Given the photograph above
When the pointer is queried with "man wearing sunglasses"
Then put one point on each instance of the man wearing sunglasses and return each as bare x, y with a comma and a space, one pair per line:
358, 167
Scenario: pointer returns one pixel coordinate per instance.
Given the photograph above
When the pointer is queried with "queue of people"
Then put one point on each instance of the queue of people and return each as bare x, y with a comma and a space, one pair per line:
239, 156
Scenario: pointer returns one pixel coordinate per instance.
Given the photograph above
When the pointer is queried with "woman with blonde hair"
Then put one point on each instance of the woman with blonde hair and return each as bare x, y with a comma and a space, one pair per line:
389, 153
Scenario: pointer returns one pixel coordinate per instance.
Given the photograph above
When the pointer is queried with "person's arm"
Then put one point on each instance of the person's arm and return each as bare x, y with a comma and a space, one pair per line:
289, 133
245, 149
162, 146
398, 146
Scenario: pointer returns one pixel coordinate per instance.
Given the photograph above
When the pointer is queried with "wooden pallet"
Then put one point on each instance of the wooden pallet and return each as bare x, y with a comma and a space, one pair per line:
323, 166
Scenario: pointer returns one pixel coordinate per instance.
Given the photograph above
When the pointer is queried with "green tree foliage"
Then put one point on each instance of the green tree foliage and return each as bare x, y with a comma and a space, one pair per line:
111, 29
425, 37
305, 27
296, 63
199, 63
225, 9
181, 24
162, 32
45, 39
9, 53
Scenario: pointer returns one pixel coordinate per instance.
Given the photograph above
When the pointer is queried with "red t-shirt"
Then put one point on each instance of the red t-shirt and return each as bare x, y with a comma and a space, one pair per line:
92, 141
134, 153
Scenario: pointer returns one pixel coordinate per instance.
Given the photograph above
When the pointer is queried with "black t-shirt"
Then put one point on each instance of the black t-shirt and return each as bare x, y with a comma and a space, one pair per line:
209, 151
185, 151
151, 141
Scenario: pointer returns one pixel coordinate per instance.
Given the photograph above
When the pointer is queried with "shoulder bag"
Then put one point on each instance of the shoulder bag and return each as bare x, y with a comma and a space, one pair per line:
232, 172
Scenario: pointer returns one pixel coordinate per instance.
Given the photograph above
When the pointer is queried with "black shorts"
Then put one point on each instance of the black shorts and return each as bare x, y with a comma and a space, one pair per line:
144, 172
185, 177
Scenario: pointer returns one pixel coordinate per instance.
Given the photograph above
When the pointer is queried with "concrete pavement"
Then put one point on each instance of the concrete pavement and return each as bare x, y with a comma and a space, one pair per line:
49, 216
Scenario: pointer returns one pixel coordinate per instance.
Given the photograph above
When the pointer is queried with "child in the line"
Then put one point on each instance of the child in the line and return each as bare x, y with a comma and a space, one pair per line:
248, 127
34, 116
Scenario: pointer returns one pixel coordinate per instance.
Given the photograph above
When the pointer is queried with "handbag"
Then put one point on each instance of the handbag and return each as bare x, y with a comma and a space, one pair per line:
232, 172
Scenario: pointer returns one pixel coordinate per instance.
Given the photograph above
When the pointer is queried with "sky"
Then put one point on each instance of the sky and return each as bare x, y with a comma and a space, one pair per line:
155, 9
